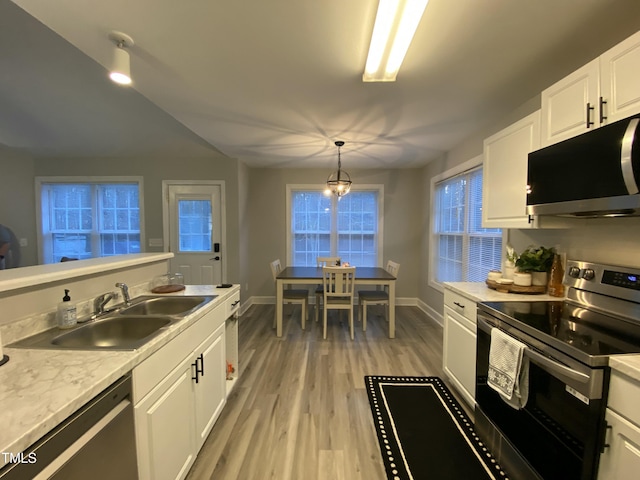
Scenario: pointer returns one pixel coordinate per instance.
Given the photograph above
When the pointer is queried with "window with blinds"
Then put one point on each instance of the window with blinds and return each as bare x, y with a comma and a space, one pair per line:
86, 220
465, 251
323, 226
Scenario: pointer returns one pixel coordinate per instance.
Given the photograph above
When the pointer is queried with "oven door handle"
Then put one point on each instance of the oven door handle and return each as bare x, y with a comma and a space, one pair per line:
551, 365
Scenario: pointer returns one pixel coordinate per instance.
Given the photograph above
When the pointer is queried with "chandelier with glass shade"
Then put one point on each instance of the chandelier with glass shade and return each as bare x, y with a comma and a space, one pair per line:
339, 182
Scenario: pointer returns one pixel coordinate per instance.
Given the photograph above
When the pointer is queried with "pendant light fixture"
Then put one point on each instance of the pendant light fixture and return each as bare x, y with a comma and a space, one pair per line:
120, 71
339, 182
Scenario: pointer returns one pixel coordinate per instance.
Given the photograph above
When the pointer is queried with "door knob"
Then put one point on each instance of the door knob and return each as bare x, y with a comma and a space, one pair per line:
215, 258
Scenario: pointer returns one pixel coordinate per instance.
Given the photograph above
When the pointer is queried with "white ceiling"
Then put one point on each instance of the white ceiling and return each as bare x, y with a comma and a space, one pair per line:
275, 83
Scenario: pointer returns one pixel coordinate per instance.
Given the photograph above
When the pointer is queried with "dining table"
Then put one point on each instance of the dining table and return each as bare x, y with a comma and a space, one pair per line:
371, 276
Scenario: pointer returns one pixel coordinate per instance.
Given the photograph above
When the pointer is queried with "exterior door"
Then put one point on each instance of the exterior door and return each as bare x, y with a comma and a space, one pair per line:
195, 232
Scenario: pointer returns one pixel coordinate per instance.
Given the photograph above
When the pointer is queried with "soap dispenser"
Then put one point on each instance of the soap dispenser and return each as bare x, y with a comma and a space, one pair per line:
67, 317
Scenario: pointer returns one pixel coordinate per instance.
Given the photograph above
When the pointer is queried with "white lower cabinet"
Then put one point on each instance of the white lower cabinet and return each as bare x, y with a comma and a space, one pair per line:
175, 411
165, 427
620, 460
459, 344
211, 390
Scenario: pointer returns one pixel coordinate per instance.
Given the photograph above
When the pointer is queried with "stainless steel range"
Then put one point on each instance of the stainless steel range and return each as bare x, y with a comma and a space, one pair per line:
559, 433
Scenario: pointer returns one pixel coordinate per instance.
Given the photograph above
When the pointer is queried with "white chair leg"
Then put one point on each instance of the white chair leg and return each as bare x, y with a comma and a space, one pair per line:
351, 322
317, 306
324, 323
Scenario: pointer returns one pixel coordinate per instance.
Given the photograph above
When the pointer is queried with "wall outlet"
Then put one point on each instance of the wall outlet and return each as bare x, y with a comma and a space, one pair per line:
23, 242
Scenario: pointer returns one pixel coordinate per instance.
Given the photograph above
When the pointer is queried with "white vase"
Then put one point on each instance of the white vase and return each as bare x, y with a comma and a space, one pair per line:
508, 272
538, 279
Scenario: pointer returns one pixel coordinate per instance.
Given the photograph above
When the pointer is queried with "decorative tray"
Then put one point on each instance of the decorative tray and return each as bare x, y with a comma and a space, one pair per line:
533, 289
167, 288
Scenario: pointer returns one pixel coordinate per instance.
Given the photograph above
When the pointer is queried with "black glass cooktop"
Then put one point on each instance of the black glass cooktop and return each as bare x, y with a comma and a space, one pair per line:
589, 331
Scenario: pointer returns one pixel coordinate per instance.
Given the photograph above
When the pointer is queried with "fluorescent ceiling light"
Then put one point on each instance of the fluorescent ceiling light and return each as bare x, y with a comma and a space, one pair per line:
396, 23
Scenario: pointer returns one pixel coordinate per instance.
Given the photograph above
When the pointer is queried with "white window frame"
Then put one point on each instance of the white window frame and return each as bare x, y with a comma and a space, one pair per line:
39, 181
379, 188
433, 237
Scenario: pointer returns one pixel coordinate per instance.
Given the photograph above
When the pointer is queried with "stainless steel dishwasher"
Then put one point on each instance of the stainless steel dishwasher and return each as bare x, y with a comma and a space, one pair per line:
96, 442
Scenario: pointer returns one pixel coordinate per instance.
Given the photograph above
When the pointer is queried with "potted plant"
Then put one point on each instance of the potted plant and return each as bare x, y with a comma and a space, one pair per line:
537, 261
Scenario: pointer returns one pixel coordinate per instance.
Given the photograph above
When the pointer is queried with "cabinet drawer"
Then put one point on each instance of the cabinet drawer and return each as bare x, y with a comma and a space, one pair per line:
624, 396
460, 304
232, 304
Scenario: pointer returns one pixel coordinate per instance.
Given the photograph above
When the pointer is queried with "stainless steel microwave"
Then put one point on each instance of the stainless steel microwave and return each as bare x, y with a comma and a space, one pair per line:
595, 174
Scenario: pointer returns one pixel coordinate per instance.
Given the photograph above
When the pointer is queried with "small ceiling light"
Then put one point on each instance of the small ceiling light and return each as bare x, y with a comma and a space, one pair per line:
120, 67
396, 23
339, 182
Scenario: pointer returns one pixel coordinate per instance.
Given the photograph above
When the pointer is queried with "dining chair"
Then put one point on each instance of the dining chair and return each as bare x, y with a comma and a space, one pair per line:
323, 262
291, 295
375, 297
338, 288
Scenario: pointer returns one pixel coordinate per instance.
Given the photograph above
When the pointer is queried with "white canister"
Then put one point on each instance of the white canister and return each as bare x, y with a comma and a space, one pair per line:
539, 279
494, 275
522, 279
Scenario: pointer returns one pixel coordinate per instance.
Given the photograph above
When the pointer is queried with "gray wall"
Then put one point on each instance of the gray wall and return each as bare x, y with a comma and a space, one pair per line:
267, 220
154, 170
17, 200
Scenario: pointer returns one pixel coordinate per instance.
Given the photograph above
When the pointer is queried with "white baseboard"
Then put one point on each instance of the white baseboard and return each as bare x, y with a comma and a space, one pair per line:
431, 312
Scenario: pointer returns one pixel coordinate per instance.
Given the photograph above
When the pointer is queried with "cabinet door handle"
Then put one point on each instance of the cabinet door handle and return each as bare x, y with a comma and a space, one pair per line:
458, 304
235, 303
607, 428
196, 370
199, 370
589, 108
201, 358
603, 117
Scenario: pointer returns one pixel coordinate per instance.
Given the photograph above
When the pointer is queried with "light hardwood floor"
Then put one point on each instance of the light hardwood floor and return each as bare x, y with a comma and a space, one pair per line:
300, 409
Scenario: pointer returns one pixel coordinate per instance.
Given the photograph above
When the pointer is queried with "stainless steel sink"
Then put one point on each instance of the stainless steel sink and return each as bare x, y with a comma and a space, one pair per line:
125, 328
124, 332
112, 332
170, 306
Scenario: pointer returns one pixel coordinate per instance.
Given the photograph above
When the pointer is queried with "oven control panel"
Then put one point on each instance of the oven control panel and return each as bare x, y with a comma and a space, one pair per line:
621, 279
611, 280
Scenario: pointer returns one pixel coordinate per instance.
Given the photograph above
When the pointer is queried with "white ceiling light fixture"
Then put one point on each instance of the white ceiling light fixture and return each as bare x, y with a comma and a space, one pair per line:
339, 182
396, 23
120, 71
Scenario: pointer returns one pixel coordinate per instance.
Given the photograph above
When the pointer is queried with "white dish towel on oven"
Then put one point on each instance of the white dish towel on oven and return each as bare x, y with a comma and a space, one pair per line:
508, 369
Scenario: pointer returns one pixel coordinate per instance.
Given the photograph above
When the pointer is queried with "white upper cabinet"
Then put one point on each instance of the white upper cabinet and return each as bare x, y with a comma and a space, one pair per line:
504, 184
603, 91
569, 105
620, 87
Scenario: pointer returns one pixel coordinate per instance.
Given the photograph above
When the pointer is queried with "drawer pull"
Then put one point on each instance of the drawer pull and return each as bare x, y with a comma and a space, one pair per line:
235, 303
458, 304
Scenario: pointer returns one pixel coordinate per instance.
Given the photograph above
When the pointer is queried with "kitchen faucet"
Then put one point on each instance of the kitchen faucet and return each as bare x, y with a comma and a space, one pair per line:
100, 301
125, 292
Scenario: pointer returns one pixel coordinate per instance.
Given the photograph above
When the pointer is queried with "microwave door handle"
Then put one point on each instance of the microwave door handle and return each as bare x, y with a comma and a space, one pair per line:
626, 164
541, 360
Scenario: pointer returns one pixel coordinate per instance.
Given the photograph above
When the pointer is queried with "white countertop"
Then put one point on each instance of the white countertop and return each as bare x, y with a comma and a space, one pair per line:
480, 292
627, 364
41, 388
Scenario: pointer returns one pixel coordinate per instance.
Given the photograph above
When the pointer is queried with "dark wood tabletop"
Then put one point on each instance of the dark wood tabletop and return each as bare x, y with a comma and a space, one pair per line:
362, 273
